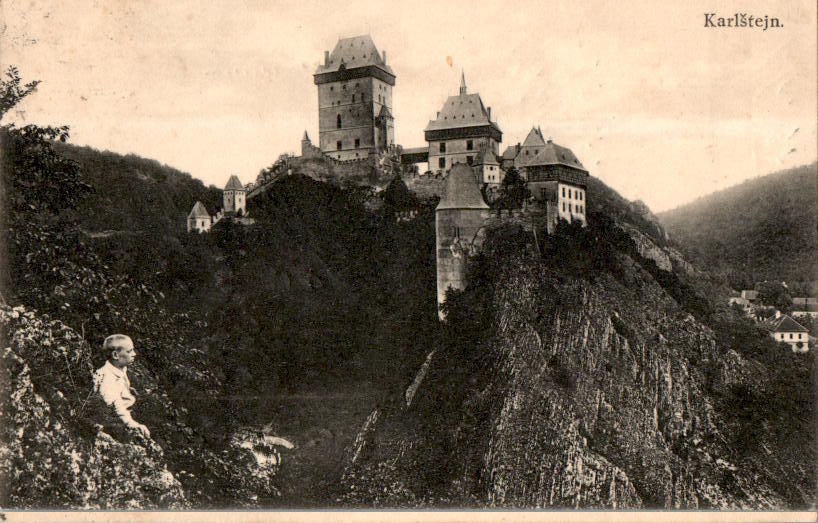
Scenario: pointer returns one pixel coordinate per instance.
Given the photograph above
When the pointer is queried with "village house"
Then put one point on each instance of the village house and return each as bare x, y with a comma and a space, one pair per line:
785, 329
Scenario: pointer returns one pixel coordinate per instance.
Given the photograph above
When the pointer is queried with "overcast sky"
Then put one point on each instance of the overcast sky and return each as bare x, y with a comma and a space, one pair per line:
652, 102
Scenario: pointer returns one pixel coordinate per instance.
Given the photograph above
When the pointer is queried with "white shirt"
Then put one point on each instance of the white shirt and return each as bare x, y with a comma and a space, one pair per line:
115, 388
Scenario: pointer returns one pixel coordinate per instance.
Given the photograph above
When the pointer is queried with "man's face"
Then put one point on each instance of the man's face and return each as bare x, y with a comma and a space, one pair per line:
125, 353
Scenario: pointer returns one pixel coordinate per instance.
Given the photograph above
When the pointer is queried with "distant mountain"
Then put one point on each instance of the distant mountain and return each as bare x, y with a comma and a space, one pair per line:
762, 229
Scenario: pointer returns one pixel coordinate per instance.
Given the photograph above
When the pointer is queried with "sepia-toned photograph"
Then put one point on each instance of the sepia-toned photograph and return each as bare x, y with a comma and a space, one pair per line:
408, 256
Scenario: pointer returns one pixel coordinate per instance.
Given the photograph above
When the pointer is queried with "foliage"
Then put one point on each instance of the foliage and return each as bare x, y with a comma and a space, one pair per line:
761, 229
775, 294
513, 191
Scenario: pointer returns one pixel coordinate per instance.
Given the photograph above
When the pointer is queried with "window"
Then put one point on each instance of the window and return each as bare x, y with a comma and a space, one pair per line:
563, 206
563, 189
469, 145
357, 142
441, 162
443, 147
470, 160
353, 98
338, 121
338, 145
344, 87
331, 88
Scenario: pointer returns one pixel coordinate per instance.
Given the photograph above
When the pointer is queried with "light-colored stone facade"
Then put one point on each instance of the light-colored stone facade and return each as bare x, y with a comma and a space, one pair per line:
355, 100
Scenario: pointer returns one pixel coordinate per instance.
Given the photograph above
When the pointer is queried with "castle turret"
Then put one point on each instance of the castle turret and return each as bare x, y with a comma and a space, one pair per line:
234, 196
199, 219
459, 219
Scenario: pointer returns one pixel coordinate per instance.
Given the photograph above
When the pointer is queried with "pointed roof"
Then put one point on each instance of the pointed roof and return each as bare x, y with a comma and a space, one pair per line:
786, 324
534, 137
357, 51
511, 152
462, 82
234, 184
198, 211
549, 154
385, 112
306, 137
486, 157
462, 190
462, 110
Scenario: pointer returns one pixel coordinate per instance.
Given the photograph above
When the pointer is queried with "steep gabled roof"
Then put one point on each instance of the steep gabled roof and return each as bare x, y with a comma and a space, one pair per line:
462, 190
384, 112
198, 211
357, 51
786, 324
534, 138
234, 184
462, 110
549, 154
486, 157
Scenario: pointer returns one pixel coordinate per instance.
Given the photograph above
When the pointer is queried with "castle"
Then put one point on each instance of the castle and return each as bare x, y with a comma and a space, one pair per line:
234, 201
356, 133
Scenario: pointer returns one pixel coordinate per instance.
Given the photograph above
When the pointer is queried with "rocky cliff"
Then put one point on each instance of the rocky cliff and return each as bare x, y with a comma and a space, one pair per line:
592, 390
54, 455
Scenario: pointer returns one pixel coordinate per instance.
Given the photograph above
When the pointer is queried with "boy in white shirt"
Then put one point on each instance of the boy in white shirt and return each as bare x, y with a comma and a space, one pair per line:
111, 380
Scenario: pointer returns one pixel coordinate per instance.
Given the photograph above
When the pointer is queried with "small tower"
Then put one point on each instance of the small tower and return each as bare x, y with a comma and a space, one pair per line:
235, 196
199, 219
459, 219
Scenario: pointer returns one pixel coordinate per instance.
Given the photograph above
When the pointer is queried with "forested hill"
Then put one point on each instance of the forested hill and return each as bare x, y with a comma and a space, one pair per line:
762, 229
135, 194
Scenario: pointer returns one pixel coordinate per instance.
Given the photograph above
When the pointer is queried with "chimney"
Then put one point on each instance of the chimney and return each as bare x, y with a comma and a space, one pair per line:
384, 57
489, 111
326, 58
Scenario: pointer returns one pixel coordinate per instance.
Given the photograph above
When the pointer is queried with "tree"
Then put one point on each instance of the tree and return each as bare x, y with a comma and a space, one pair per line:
775, 294
513, 190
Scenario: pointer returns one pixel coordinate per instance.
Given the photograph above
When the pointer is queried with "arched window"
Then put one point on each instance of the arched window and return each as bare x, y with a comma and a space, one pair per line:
338, 121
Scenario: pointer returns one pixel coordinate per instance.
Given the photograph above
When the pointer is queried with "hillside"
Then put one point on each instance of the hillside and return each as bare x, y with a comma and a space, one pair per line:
576, 377
762, 229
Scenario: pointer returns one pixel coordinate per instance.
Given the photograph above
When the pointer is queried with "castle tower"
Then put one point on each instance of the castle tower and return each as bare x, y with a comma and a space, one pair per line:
462, 128
234, 196
459, 219
355, 100
199, 219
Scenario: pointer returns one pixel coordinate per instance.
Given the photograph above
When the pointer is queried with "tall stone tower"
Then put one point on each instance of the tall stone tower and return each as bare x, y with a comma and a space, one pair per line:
355, 100
459, 220
234, 196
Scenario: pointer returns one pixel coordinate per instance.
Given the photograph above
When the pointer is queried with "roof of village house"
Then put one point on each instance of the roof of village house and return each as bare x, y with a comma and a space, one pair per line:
785, 324
234, 184
198, 211
549, 154
750, 295
462, 110
462, 190
357, 51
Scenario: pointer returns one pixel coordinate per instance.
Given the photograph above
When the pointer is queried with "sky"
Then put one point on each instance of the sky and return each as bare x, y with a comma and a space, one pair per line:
651, 101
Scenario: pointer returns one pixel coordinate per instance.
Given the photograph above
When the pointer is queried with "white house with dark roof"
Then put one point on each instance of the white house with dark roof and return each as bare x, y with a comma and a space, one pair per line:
462, 128
199, 219
235, 197
785, 329
487, 168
